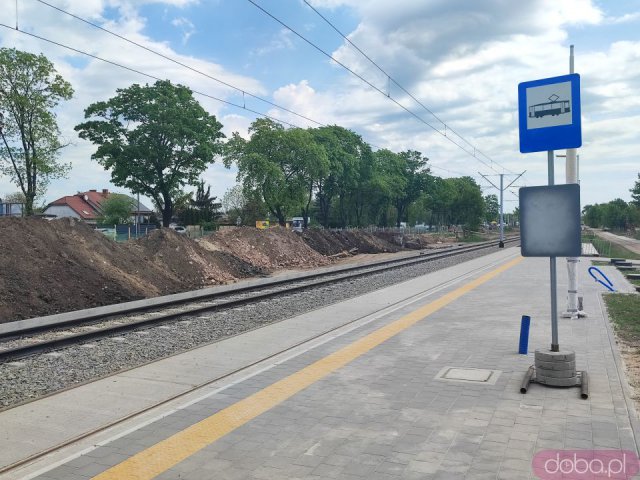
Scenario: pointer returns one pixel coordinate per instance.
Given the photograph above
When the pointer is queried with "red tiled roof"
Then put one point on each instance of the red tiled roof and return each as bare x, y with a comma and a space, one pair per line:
88, 204
96, 197
78, 204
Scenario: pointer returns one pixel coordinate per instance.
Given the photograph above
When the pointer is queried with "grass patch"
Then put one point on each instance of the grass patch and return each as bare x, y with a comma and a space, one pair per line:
611, 250
624, 309
474, 237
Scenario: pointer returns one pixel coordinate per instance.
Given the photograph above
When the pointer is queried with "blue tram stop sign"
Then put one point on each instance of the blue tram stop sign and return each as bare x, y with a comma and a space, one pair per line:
549, 114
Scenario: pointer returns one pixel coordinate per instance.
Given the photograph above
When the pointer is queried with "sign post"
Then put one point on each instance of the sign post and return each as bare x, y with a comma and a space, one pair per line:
549, 119
555, 345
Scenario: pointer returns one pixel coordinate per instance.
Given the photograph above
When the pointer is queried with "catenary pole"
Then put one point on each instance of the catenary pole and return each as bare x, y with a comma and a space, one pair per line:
501, 188
501, 244
571, 169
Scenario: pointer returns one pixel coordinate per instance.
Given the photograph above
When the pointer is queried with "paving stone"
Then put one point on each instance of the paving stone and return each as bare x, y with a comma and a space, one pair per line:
383, 416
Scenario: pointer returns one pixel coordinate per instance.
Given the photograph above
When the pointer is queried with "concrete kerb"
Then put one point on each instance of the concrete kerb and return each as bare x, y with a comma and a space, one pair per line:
622, 378
96, 313
358, 323
108, 310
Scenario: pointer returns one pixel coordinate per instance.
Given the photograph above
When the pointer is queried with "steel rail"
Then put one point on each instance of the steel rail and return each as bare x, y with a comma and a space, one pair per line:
317, 279
203, 294
11, 467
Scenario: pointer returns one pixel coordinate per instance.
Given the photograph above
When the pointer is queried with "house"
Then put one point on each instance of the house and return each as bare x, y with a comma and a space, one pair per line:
86, 206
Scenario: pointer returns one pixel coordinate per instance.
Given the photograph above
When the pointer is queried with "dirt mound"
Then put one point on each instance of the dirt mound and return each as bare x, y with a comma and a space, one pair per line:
333, 242
267, 249
188, 262
62, 265
417, 241
51, 267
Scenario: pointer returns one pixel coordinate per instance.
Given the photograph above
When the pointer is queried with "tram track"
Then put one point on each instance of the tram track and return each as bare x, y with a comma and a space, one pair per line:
116, 427
33, 340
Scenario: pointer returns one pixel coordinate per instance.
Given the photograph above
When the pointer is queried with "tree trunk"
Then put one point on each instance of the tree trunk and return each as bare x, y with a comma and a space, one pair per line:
325, 205
28, 204
400, 213
167, 211
282, 219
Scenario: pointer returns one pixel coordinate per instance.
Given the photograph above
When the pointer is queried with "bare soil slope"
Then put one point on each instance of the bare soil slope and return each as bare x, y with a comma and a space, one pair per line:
333, 242
63, 265
268, 249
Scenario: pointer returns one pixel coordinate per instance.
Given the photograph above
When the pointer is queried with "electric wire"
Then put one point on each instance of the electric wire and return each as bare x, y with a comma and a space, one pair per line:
139, 72
391, 79
178, 62
331, 57
148, 75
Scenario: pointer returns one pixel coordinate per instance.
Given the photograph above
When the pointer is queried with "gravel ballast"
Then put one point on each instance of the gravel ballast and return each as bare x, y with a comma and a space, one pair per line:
40, 375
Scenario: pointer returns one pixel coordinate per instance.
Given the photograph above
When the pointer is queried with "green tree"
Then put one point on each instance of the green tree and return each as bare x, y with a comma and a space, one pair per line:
233, 200
116, 209
236, 205
30, 90
467, 207
415, 175
617, 214
155, 139
15, 197
388, 184
635, 193
278, 166
492, 207
200, 208
398, 180
204, 203
345, 152
592, 215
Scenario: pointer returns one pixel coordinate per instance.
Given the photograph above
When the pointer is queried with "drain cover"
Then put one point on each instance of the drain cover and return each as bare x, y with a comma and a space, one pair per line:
474, 375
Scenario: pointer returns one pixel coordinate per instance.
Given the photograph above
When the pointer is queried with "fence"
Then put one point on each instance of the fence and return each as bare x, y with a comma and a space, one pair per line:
122, 233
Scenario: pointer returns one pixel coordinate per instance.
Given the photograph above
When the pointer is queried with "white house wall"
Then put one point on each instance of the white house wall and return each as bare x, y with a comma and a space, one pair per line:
61, 211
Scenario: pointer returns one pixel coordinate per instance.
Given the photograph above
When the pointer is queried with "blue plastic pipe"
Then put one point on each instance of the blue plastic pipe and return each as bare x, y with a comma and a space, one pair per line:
608, 285
524, 335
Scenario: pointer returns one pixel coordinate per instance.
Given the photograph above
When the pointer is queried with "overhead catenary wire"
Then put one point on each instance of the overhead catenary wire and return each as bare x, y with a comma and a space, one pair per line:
148, 75
379, 90
178, 62
391, 79
139, 72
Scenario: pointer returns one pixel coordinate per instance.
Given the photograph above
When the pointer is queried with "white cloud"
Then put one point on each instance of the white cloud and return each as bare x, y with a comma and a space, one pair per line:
626, 18
188, 28
464, 61
281, 41
94, 80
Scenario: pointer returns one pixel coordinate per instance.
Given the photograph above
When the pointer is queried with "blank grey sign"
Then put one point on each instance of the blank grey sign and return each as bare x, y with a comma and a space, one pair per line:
550, 221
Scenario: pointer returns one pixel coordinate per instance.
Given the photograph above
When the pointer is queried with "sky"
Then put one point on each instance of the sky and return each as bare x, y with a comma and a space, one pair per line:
461, 59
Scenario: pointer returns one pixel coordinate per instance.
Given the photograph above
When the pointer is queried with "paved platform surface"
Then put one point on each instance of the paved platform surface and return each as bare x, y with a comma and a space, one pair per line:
366, 403
627, 242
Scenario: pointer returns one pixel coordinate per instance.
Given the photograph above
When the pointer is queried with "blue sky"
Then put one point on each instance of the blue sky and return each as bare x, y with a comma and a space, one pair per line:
462, 59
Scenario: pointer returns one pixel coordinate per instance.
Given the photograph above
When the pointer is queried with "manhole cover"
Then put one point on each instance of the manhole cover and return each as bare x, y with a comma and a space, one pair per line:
475, 375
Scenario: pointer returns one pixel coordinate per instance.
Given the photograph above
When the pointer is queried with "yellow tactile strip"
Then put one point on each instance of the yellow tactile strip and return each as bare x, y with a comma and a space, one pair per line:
162, 456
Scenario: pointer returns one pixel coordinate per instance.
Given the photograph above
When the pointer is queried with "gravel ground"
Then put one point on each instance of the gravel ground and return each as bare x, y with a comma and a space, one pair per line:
33, 377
